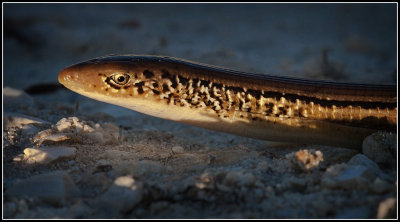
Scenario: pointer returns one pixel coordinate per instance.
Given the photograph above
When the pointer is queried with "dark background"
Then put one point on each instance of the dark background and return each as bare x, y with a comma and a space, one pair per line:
341, 42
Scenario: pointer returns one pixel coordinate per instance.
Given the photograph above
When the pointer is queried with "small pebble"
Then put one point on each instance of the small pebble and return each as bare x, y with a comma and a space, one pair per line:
178, 149
48, 154
125, 181
122, 196
305, 160
387, 209
381, 147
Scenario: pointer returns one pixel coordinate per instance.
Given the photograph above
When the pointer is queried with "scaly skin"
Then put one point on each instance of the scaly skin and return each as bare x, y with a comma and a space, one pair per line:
258, 106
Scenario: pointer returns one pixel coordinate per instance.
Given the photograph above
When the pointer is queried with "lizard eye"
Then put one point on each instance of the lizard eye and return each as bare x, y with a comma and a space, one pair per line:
120, 79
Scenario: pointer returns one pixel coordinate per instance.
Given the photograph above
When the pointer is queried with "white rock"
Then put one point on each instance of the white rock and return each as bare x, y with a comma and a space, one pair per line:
75, 120
41, 135
20, 157
359, 173
343, 176
362, 160
88, 132
58, 137
62, 125
122, 196
13, 93
20, 120
352, 172
55, 188
70, 124
178, 149
373, 168
88, 129
44, 155
125, 181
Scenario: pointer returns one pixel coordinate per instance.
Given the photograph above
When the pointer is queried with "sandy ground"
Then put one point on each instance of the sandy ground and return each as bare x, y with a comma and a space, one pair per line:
67, 156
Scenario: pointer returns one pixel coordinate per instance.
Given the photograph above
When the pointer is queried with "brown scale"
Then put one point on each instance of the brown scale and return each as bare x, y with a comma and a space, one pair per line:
217, 94
227, 100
